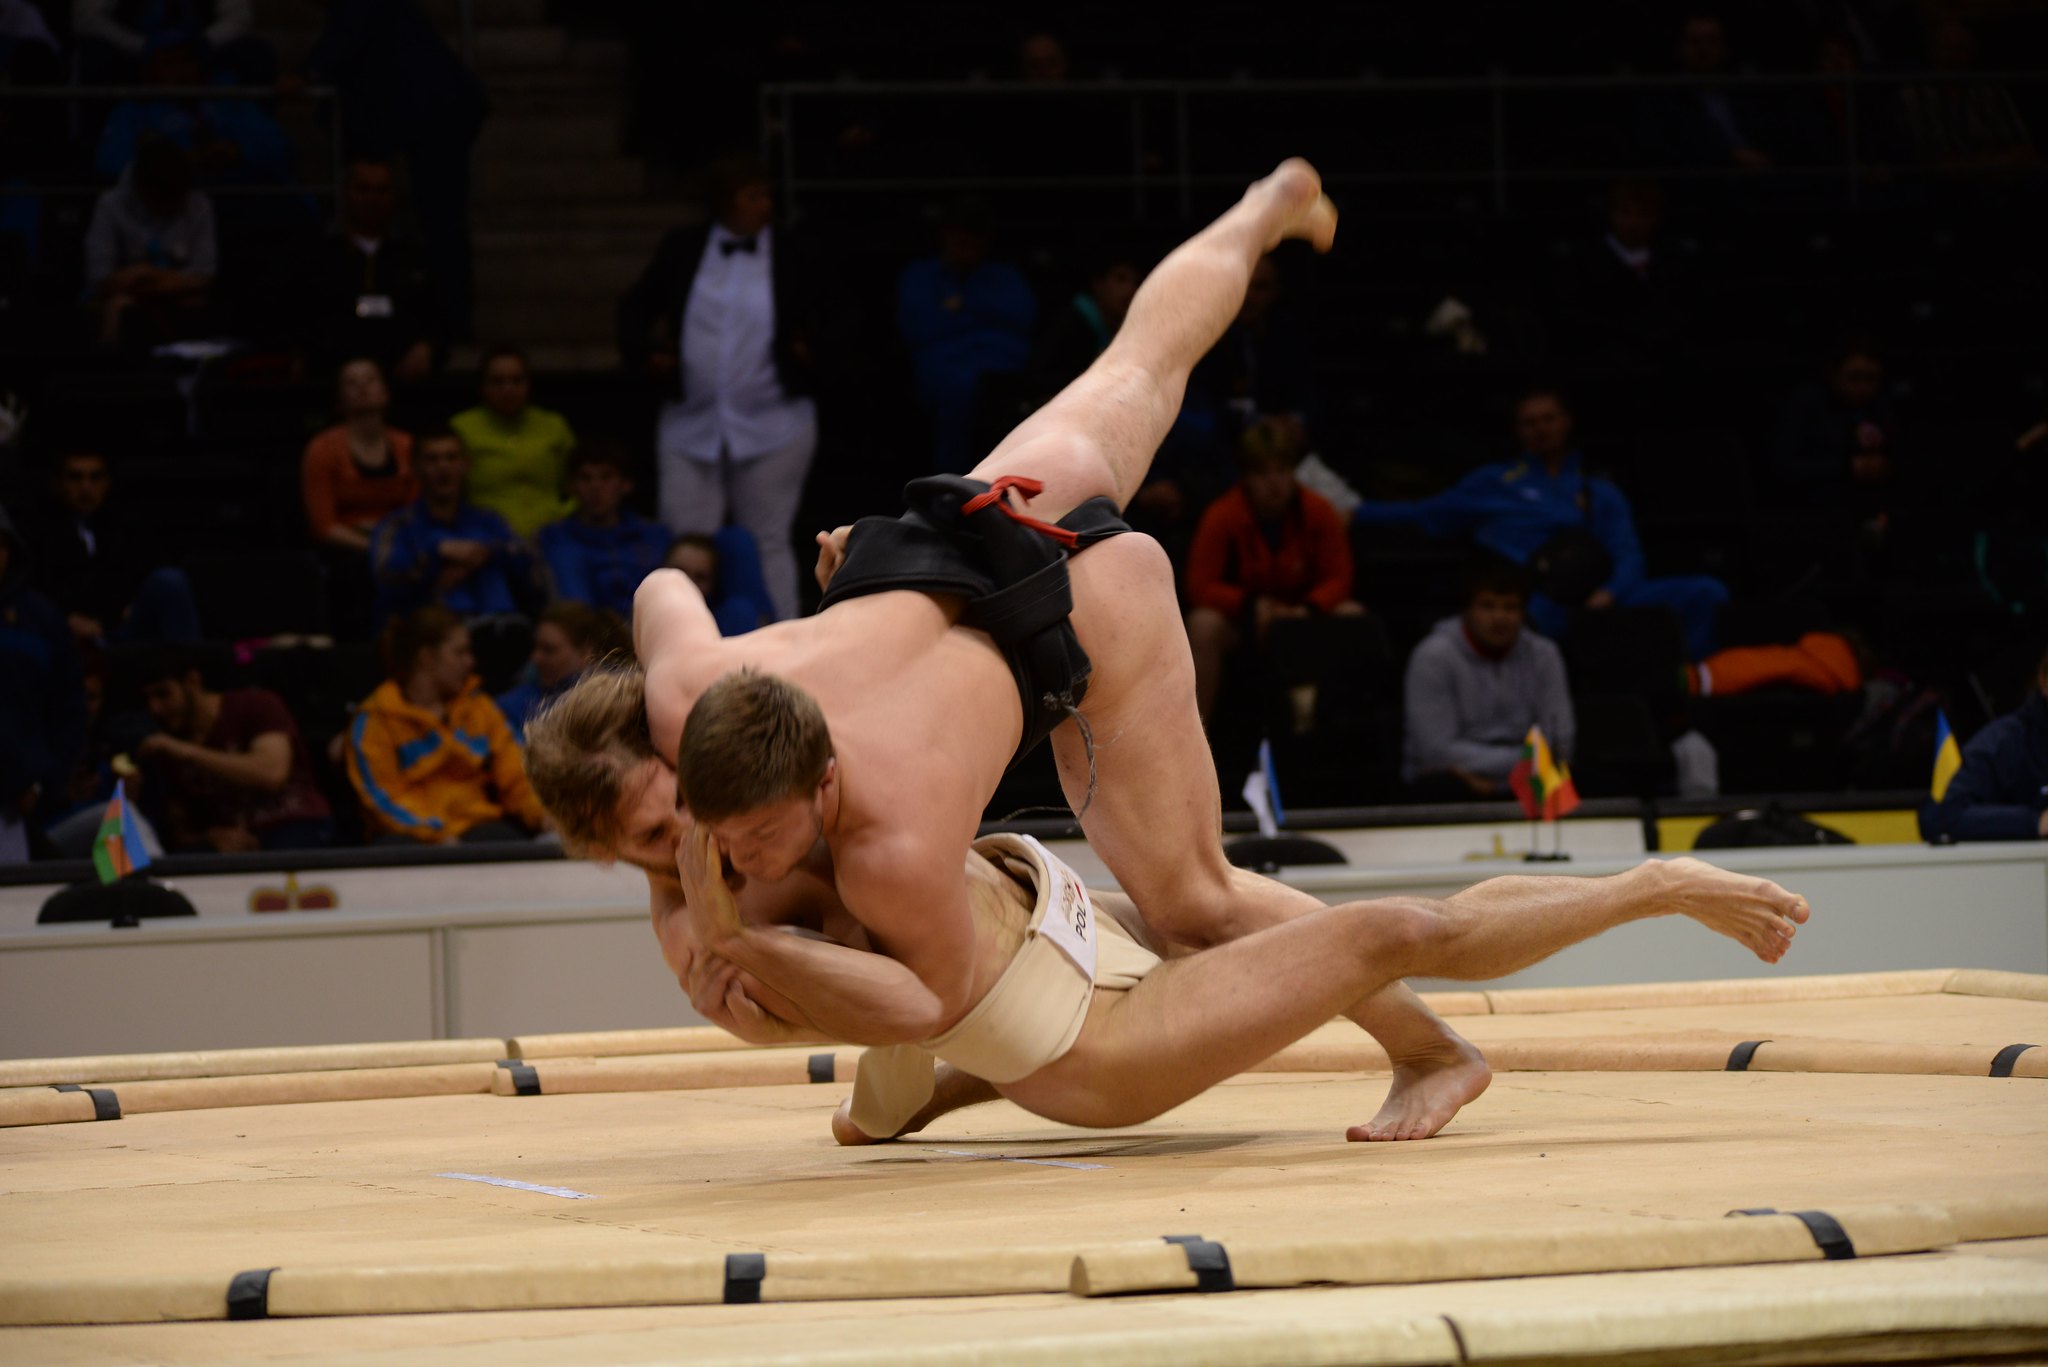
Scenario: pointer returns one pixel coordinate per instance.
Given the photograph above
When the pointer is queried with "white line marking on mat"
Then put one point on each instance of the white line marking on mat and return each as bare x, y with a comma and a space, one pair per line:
1034, 1162
564, 1192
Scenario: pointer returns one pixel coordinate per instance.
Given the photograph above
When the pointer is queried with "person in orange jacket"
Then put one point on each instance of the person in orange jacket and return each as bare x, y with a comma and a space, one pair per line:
1267, 549
429, 753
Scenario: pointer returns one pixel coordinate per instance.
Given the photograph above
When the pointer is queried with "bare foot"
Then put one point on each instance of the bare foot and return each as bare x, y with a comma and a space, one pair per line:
952, 1090
1754, 911
1311, 217
1428, 1090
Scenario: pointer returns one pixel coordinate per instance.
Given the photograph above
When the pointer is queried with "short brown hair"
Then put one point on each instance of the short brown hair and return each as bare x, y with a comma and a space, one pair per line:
596, 630
581, 748
403, 638
752, 739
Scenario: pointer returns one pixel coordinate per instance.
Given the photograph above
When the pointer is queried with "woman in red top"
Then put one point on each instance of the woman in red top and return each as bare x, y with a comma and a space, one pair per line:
1267, 549
359, 470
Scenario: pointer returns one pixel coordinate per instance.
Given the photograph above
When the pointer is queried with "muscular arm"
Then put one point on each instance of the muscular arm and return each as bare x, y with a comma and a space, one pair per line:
670, 619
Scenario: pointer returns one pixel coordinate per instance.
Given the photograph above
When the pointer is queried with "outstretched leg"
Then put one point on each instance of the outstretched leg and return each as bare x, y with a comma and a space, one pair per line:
1194, 1022
1098, 435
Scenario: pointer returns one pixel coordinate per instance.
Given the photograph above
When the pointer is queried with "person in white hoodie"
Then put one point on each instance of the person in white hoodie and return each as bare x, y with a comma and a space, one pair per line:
1476, 684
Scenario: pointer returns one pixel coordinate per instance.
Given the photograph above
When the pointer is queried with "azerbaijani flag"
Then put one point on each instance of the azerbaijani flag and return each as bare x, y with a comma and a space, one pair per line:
1948, 756
117, 850
1543, 786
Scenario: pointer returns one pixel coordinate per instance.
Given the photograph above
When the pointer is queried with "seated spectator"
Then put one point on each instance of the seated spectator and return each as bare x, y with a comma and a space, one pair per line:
2001, 792
443, 549
725, 317
230, 141
42, 700
113, 37
1268, 549
727, 571
77, 812
1627, 298
1963, 125
518, 451
599, 554
1574, 532
150, 254
228, 772
364, 290
1078, 333
568, 639
1824, 662
1834, 435
1476, 684
353, 476
1708, 125
85, 561
429, 753
963, 316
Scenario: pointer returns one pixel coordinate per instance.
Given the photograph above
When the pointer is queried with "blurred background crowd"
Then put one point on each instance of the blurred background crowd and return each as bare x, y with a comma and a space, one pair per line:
1678, 384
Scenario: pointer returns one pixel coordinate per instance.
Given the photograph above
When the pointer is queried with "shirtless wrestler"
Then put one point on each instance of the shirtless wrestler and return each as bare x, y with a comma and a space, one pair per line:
1075, 1018
926, 712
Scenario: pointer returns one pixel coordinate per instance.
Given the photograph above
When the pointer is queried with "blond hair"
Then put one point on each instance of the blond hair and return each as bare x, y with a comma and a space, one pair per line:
581, 748
751, 739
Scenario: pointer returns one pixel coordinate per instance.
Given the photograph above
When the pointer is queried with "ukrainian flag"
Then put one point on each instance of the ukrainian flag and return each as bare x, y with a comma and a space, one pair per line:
1948, 756
117, 850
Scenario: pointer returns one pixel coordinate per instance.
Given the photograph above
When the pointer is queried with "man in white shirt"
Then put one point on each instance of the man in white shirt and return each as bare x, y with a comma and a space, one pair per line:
715, 311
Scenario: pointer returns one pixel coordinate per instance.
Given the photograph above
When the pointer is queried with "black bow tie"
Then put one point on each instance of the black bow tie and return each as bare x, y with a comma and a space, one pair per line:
738, 244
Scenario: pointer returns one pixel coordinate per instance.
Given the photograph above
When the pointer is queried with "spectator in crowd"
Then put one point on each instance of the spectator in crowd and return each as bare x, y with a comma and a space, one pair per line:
365, 290
1476, 684
724, 314
446, 550
1081, 331
86, 562
404, 93
79, 810
227, 771
1833, 456
1573, 531
963, 316
568, 639
727, 571
1709, 125
113, 38
518, 451
150, 253
1962, 125
230, 141
42, 700
2001, 792
429, 753
599, 554
1268, 549
1627, 297
353, 475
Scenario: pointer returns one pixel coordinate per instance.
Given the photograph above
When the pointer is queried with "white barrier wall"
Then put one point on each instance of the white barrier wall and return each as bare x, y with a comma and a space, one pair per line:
501, 949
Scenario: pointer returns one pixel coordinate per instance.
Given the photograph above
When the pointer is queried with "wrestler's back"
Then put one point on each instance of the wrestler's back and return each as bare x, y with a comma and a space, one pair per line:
921, 709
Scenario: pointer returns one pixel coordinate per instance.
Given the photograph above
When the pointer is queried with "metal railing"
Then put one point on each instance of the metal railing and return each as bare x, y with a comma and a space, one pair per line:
76, 97
1490, 104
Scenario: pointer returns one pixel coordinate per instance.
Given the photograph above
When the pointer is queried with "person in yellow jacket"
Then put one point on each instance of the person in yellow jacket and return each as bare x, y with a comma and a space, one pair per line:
518, 451
429, 753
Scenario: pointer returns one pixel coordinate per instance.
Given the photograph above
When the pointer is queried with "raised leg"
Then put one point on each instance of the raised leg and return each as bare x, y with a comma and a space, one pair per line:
1098, 435
1193, 1022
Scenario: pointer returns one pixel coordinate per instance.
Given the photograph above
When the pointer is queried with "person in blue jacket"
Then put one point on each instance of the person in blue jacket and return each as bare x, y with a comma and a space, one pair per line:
444, 549
963, 316
2001, 792
1574, 531
599, 554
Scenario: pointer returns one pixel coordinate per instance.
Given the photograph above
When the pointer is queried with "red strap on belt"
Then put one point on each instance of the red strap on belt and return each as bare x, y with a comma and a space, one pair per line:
1030, 489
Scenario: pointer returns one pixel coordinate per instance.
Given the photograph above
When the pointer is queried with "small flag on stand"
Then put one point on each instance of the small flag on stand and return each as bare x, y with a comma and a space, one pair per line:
1948, 756
117, 850
1541, 784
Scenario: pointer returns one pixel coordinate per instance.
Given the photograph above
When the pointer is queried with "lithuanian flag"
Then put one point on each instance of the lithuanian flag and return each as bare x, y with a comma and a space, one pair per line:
1948, 756
117, 850
1542, 784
